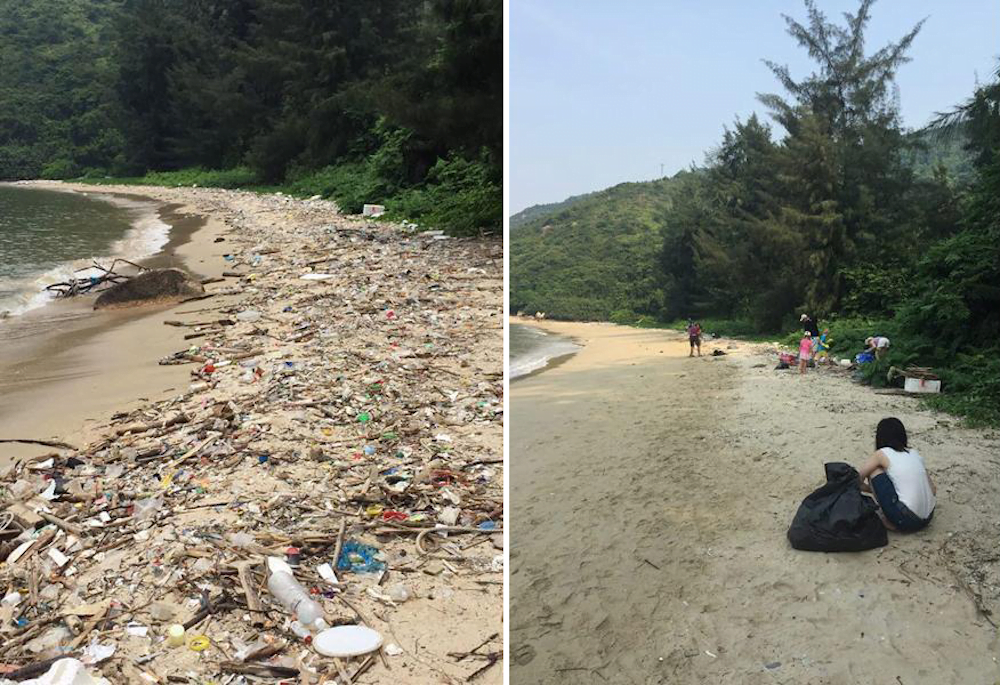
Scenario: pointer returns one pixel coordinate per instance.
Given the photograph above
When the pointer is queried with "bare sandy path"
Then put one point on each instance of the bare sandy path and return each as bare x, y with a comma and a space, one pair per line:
650, 498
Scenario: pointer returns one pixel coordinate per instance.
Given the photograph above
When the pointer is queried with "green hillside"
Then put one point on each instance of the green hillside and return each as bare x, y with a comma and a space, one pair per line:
526, 216
58, 111
594, 256
935, 150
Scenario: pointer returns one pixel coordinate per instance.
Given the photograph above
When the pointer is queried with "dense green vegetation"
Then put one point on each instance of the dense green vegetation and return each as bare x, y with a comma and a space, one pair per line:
387, 101
834, 209
593, 257
535, 212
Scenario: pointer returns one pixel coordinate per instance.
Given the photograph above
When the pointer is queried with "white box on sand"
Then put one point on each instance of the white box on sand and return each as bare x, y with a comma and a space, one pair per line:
372, 210
921, 385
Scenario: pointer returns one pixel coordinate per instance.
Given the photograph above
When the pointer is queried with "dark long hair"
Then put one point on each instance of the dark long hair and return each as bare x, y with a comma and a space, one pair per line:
890, 433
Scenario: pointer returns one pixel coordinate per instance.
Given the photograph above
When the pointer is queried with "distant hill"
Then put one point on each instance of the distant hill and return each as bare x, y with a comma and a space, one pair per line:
591, 255
942, 149
526, 216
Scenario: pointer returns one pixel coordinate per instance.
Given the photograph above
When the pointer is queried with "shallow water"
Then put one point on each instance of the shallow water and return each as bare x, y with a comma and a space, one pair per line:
46, 236
532, 349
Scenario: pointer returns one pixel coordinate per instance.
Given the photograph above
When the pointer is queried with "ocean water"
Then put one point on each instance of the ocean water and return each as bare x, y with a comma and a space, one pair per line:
532, 349
49, 236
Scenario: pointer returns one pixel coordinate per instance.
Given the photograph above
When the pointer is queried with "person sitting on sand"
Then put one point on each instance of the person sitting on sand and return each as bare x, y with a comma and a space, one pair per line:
878, 345
897, 478
805, 352
694, 336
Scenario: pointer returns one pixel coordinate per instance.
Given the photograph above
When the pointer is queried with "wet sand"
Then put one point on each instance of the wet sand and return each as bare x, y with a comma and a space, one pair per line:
650, 496
64, 367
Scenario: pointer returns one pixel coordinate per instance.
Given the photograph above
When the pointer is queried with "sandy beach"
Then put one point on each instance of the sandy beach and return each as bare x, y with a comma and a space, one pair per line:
376, 387
64, 367
650, 497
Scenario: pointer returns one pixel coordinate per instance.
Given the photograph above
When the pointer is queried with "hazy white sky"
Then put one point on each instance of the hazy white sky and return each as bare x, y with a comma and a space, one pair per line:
605, 91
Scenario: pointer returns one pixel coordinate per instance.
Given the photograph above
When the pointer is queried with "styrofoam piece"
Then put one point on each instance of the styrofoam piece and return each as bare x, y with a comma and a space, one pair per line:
921, 385
345, 641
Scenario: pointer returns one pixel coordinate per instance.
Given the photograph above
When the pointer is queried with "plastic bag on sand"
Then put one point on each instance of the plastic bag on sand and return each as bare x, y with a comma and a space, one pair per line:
66, 672
837, 517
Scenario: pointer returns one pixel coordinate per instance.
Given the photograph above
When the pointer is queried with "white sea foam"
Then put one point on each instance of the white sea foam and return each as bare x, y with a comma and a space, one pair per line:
541, 352
146, 236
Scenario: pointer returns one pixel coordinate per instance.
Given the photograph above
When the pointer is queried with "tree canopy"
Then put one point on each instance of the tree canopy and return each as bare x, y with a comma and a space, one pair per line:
383, 101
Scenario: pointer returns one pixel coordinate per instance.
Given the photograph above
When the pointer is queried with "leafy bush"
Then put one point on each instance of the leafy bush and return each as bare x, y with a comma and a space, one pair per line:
60, 168
624, 317
350, 184
459, 195
238, 177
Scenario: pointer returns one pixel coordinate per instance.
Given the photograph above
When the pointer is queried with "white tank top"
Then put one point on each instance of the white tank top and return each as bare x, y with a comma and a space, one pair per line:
909, 477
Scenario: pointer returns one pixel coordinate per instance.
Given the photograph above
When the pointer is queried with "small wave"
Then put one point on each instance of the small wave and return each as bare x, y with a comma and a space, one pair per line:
146, 236
540, 357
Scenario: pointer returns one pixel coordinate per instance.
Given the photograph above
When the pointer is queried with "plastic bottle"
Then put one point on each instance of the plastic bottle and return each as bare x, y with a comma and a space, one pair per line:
284, 588
301, 631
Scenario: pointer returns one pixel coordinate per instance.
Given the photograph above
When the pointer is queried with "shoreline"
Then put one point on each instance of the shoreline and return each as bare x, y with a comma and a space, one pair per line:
658, 490
547, 362
66, 367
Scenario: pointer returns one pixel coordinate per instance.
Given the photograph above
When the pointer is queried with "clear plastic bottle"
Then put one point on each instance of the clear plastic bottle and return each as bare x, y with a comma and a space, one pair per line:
284, 588
301, 631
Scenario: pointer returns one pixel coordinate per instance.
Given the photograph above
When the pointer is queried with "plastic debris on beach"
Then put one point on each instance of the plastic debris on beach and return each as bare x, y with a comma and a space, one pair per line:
358, 557
310, 431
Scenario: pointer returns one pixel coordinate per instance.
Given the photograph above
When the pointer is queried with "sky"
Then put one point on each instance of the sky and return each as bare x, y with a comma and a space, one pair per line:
605, 91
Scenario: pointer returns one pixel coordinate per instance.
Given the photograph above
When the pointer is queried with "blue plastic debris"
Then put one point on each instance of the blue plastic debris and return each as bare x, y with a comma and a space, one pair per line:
487, 525
358, 557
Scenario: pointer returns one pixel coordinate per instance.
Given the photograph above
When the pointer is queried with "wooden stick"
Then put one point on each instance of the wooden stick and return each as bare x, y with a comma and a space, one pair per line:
65, 525
266, 651
264, 670
143, 427
339, 546
253, 601
44, 443
89, 626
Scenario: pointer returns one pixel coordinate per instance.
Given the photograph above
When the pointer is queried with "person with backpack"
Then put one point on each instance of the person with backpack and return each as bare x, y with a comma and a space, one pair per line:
694, 336
898, 480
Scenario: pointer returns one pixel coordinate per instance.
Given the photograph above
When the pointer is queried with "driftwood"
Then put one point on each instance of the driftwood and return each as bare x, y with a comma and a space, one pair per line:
143, 427
79, 286
44, 443
262, 670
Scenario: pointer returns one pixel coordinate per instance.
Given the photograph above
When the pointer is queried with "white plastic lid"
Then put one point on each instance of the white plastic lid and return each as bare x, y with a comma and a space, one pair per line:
344, 641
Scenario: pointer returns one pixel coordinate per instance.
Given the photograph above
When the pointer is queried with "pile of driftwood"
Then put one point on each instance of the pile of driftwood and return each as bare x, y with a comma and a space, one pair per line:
89, 284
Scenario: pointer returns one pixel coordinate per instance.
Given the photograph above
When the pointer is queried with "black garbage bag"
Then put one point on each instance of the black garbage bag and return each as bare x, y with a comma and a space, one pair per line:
837, 517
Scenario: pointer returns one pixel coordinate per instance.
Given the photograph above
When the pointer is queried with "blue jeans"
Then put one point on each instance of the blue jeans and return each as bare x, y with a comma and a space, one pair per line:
897, 513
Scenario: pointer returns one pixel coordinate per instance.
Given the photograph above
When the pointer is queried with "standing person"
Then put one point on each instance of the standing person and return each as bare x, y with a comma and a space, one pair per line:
809, 325
897, 477
805, 352
694, 336
823, 346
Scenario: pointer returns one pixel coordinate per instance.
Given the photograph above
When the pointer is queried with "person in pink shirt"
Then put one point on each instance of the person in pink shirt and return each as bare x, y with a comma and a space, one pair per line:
805, 351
